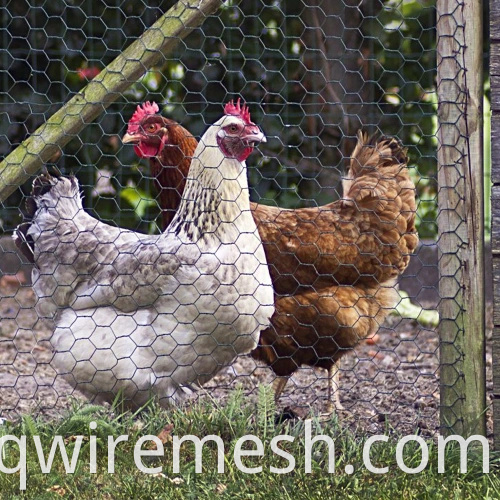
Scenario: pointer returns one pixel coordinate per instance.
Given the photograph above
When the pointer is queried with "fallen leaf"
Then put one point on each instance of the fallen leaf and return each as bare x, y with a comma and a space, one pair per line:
159, 474
373, 340
220, 488
72, 439
57, 489
177, 480
165, 436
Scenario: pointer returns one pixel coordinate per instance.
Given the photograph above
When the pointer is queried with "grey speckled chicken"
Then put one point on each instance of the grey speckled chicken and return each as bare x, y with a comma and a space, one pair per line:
145, 315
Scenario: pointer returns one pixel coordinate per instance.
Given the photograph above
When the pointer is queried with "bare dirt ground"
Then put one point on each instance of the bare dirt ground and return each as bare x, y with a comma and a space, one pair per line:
392, 384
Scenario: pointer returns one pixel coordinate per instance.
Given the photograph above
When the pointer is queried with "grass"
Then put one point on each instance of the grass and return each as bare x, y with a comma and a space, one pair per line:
231, 421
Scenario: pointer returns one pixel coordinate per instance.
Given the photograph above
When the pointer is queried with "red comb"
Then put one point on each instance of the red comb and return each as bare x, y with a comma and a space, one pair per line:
148, 108
238, 110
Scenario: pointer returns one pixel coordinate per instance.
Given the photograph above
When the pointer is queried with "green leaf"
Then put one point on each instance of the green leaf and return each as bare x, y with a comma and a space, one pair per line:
138, 199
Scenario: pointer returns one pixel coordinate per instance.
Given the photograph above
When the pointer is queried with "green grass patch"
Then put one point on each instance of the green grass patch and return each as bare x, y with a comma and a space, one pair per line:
230, 422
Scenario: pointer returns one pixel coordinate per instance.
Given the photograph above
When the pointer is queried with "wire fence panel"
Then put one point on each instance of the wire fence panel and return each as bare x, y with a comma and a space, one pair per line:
336, 214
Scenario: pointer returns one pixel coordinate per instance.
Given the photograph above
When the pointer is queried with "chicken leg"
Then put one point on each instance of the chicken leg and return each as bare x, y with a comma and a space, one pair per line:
334, 403
278, 387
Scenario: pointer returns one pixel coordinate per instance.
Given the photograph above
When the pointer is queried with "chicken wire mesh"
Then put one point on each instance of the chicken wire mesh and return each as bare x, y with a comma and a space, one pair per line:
312, 73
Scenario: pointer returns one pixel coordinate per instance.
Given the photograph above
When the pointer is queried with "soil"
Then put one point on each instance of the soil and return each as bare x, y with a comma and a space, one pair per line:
389, 385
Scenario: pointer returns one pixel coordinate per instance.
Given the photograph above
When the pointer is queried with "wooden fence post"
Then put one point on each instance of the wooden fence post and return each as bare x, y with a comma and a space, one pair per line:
461, 216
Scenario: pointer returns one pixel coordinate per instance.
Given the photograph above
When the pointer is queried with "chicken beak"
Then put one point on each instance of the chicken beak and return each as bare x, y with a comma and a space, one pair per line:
131, 138
255, 136
260, 136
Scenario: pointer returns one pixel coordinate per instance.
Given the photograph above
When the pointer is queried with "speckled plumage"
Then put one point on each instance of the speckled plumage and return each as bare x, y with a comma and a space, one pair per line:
145, 315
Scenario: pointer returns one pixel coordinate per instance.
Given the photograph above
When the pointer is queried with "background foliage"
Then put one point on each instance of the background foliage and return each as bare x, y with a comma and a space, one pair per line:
312, 71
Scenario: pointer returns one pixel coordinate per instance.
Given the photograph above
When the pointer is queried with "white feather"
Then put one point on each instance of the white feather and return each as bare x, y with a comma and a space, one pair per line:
148, 315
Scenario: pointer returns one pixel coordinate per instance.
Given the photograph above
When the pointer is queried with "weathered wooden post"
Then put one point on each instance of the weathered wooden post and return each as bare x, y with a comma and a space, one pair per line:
461, 216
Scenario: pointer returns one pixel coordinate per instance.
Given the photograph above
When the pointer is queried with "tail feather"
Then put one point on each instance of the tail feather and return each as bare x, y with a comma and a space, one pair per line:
376, 152
24, 242
42, 185
379, 180
47, 192
398, 152
378, 172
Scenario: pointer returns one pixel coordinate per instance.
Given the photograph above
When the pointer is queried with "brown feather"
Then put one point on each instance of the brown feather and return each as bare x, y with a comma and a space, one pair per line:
317, 328
173, 165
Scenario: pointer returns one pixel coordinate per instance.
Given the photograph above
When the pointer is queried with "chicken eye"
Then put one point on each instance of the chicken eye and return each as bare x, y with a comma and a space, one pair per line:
233, 128
151, 127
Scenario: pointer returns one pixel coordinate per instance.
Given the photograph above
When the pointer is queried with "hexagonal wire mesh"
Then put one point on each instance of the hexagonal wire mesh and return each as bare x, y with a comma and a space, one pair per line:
312, 73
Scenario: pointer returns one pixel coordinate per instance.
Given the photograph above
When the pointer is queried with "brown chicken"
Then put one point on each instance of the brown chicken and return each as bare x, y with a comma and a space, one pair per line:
333, 267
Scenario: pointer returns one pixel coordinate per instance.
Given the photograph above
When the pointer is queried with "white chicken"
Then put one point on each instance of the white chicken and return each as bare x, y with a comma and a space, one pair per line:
154, 315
